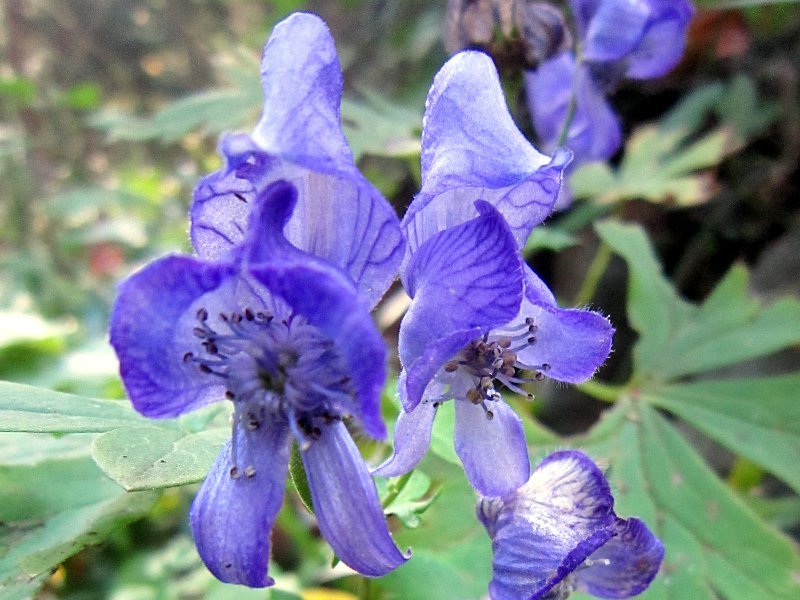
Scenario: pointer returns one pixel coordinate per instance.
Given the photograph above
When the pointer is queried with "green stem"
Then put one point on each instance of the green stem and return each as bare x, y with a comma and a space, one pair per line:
594, 274
601, 391
571, 108
395, 489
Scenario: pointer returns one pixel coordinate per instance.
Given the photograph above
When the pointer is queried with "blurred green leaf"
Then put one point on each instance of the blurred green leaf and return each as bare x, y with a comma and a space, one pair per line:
678, 338
702, 522
20, 90
150, 457
548, 237
409, 500
444, 426
378, 126
83, 96
758, 418
68, 504
37, 410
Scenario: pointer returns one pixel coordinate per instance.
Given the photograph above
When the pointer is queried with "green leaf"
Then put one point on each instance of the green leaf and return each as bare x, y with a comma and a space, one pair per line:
378, 126
756, 418
678, 338
51, 510
150, 457
38, 410
549, 237
444, 427
408, 502
297, 471
702, 522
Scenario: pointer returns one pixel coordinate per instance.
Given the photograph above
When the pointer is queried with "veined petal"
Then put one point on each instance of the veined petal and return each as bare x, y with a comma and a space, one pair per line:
572, 342
346, 504
625, 565
548, 528
232, 517
412, 438
341, 217
615, 29
151, 331
324, 296
492, 450
471, 149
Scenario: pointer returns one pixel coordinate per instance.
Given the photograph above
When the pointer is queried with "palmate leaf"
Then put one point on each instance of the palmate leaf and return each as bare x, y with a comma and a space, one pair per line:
51, 506
678, 338
716, 546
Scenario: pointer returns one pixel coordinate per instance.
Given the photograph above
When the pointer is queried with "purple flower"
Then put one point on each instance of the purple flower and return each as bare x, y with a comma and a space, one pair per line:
294, 248
594, 132
480, 319
647, 36
558, 533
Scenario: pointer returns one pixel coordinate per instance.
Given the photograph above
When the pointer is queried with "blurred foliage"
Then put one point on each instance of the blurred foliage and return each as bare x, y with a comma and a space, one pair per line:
109, 113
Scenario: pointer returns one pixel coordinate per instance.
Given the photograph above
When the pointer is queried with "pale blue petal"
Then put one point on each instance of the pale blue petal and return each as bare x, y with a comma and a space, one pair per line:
412, 438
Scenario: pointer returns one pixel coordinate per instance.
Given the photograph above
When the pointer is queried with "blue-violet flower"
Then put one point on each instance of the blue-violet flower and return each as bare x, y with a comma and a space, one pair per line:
646, 36
293, 247
558, 533
480, 319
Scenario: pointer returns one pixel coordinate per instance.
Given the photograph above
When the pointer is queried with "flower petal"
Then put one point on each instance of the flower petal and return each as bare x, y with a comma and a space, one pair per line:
595, 132
471, 149
151, 331
615, 29
551, 525
324, 296
625, 565
572, 342
663, 40
492, 450
346, 504
231, 518
341, 217
412, 438
464, 281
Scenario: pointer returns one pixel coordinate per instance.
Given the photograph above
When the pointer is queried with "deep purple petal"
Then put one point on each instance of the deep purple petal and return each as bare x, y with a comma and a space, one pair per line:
468, 276
595, 132
471, 149
572, 342
341, 217
625, 565
615, 29
492, 450
412, 438
346, 504
231, 518
151, 331
324, 296
548, 528
582, 12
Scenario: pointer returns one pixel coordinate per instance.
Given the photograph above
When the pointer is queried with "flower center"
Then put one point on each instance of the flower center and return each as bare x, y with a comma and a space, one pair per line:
273, 369
495, 359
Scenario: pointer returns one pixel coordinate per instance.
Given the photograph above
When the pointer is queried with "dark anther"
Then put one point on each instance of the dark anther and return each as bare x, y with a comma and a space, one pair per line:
223, 316
234, 472
240, 197
532, 340
538, 376
504, 343
529, 321
204, 368
474, 396
199, 332
187, 357
545, 367
249, 314
229, 395
489, 415
436, 405
451, 366
202, 314
236, 317
262, 316
316, 433
249, 471
252, 422
210, 347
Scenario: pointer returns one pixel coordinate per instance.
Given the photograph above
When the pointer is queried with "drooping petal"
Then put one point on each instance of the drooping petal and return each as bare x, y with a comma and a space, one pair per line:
346, 504
412, 438
572, 342
323, 295
471, 149
625, 565
492, 450
615, 29
232, 517
548, 528
464, 281
151, 331
341, 217
595, 132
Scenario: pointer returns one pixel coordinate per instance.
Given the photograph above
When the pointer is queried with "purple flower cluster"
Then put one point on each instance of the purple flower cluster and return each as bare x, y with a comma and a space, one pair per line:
638, 39
293, 248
